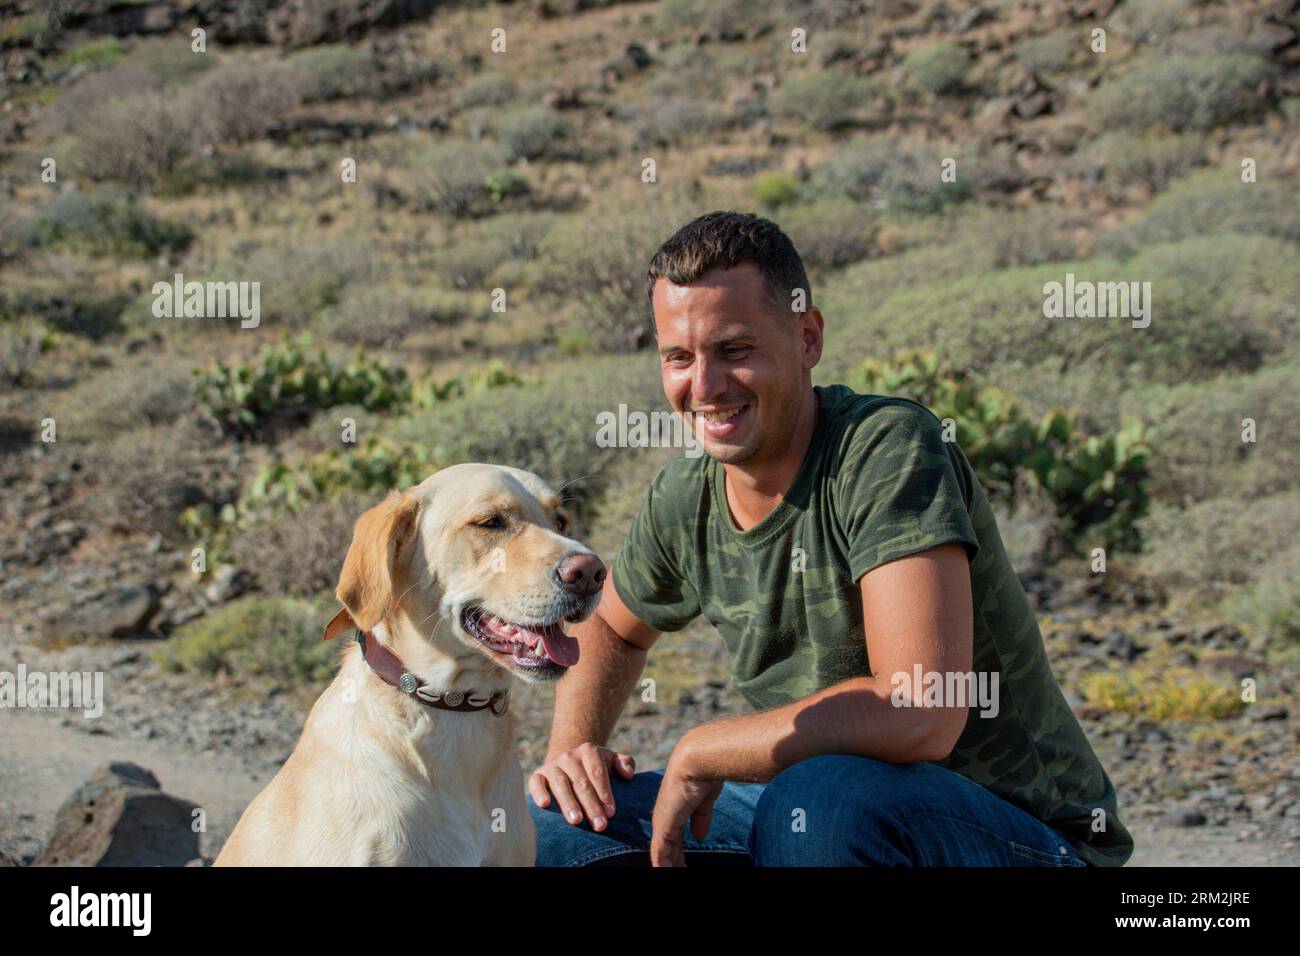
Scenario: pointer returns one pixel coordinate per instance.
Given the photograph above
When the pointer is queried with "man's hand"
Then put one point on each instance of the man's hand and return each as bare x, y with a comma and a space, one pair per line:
579, 778
683, 795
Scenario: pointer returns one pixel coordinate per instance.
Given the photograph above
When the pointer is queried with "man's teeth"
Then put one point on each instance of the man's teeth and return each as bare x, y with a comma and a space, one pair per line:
723, 416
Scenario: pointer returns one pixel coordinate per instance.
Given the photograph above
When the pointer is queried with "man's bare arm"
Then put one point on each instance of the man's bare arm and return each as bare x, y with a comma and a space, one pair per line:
591, 696
588, 701
917, 611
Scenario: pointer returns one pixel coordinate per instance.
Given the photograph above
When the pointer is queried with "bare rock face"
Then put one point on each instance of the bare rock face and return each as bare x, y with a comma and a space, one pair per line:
120, 611
121, 817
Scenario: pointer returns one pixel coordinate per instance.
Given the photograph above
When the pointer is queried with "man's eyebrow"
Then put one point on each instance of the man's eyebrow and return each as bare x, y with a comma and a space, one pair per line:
724, 339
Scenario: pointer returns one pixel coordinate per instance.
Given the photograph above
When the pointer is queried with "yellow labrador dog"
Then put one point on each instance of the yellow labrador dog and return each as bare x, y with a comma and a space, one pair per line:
456, 588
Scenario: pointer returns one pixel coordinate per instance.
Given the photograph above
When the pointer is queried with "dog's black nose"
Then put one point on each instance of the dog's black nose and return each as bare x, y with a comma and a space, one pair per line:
583, 573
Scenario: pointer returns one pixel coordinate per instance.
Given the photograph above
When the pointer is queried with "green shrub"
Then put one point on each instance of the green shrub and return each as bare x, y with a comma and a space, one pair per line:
82, 308
1217, 307
138, 140
775, 189
241, 100
22, 343
1242, 289
1196, 436
527, 131
713, 17
278, 638
301, 280
900, 178
218, 171
288, 382
449, 176
1097, 482
121, 399
382, 316
824, 99
829, 233
1152, 20
333, 71
78, 106
302, 555
1269, 611
1220, 38
1126, 159
678, 119
1011, 238
373, 468
28, 28
548, 427
1218, 542
96, 54
940, 68
468, 260
1211, 202
505, 184
172, 64
1182, 92
488, 89
101, 223
1171, 696
1051, 52
150, 475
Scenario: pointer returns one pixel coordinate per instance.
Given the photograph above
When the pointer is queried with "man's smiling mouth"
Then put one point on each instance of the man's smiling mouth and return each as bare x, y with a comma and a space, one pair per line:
723, 416
719, 423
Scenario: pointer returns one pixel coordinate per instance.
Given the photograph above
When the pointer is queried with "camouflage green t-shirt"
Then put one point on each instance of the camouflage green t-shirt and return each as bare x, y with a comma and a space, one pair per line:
878, 483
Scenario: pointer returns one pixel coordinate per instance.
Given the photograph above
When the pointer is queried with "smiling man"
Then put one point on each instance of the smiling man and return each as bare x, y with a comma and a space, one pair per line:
850, 560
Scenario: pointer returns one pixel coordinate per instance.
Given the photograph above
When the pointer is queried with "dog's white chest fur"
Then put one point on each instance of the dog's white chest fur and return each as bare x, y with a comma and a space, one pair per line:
368, 785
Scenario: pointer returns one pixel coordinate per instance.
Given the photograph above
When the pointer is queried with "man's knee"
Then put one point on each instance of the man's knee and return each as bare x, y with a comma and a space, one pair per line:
835, 810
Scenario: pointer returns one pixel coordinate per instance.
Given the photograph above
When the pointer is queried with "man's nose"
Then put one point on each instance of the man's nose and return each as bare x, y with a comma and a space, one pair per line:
581, 573
707, 382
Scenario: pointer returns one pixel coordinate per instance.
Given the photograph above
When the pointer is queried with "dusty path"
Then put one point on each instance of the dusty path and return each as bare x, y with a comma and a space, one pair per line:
42, 761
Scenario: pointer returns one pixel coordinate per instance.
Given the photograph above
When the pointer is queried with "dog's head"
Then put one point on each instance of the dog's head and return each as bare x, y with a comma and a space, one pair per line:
476, 556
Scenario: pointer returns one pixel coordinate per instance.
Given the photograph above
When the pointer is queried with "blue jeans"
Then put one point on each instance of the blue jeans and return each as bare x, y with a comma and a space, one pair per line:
832, 810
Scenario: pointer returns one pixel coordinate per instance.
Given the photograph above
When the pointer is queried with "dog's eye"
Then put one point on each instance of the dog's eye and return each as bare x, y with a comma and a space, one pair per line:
562, 522
493, 521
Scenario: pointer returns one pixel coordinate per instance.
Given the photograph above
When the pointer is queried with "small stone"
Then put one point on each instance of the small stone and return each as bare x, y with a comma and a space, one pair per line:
1187, 817
1262, 712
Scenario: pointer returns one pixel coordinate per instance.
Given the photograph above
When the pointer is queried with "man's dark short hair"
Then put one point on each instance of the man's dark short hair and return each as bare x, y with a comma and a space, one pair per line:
723, 240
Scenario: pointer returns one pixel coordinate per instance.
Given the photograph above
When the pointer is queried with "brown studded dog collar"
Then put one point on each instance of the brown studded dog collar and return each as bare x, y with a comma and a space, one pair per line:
390, 669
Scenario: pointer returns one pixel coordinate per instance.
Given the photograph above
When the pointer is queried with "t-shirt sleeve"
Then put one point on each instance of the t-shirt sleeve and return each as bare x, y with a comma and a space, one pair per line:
902, 490
650, 566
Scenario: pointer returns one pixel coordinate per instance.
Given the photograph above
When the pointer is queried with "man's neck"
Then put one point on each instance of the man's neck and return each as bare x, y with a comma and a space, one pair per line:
753, 491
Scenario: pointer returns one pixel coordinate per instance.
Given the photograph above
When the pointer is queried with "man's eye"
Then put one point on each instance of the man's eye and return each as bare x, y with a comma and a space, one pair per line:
735, 351
494, 521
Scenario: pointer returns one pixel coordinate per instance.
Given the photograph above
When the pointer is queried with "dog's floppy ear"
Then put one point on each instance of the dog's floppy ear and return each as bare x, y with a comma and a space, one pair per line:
366, 581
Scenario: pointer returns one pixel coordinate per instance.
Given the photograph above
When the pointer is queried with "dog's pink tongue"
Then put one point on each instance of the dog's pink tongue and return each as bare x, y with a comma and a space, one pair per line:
559, 646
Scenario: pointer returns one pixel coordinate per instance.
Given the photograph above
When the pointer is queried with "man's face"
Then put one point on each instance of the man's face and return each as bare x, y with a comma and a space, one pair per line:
737, 367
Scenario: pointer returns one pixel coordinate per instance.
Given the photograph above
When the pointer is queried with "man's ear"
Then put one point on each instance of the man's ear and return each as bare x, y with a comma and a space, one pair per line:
366, 581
